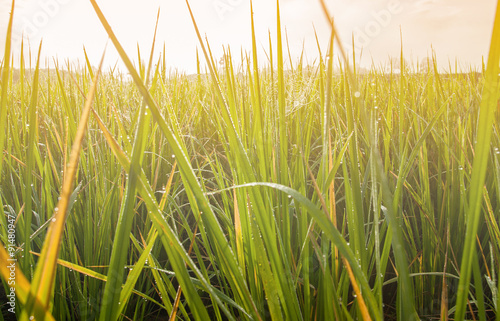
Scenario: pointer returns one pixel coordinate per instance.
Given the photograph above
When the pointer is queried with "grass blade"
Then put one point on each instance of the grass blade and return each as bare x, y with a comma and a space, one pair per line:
489, 102
5, 82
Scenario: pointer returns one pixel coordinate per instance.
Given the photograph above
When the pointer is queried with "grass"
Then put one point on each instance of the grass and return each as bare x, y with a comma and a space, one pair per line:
247, 193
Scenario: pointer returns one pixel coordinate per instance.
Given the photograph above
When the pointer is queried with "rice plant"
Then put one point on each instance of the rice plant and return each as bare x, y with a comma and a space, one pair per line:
285, 192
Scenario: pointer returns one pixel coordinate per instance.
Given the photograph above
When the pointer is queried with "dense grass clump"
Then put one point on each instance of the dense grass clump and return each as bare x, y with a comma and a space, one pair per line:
247, 193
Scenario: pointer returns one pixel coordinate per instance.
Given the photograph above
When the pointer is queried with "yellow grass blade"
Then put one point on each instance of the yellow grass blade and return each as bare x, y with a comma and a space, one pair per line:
362, 305
16, 279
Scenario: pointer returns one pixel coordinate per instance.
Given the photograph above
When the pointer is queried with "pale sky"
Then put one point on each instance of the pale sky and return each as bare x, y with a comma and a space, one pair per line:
456, 29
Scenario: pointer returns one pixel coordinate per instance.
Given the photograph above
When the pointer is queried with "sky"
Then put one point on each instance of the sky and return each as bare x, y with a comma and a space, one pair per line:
455, 30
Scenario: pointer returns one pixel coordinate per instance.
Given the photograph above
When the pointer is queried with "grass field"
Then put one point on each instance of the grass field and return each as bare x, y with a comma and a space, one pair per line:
249, 193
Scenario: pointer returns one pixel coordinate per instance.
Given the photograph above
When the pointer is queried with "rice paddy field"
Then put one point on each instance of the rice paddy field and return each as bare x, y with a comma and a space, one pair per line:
249, 193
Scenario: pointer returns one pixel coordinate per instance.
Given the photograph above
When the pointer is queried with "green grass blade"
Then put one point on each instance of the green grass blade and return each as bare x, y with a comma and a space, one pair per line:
112, 298
188, 177
489, 101
5, 83
332, 233
30, 159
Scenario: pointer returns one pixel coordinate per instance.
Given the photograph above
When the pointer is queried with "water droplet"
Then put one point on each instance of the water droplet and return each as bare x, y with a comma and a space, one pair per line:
56, 209
54, 219
357, 94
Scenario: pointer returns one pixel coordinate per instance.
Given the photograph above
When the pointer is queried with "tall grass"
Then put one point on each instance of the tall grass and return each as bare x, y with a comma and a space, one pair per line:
246, 193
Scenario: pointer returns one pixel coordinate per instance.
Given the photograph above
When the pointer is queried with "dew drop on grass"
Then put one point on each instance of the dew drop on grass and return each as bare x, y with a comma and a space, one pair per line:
56, 209
54, 219
32, 317
357, 94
